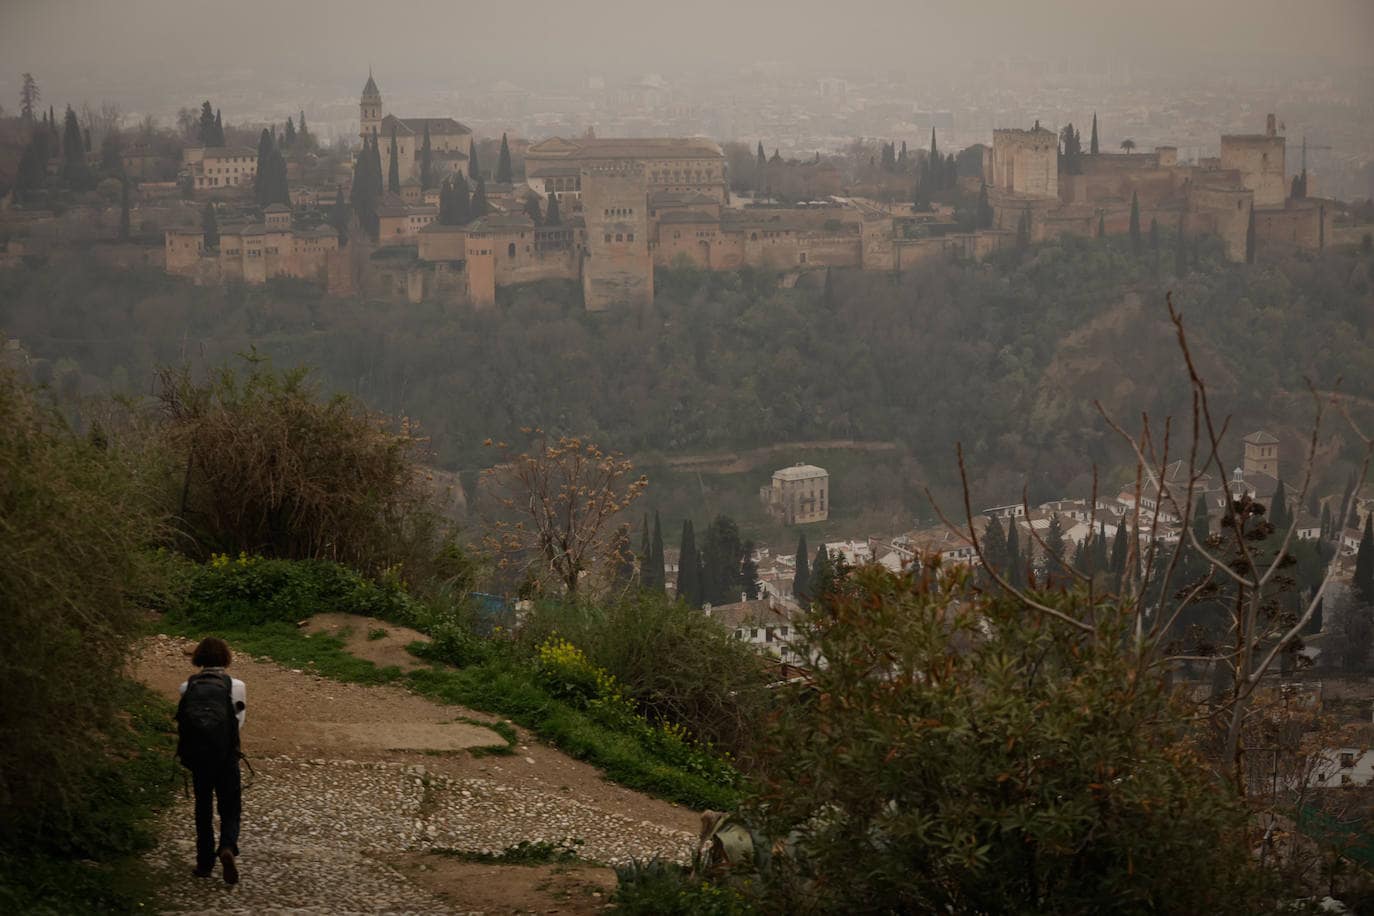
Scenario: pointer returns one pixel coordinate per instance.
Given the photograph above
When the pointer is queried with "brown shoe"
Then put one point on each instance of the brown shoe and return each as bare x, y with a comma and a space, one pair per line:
205, 872
231, 870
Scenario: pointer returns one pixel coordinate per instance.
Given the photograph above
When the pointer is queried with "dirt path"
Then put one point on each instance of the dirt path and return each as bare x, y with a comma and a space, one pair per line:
740, 462
362, 795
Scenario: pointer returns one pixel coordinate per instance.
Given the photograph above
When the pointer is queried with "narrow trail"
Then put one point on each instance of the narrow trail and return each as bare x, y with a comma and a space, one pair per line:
360, 791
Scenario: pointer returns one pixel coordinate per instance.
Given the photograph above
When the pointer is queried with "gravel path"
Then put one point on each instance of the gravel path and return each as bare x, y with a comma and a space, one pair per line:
321, 833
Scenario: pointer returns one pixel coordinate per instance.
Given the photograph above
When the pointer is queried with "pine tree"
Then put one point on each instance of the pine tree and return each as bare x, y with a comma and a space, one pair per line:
553, 217
688, 567
1135, 223
479, 206
474, 170
393, 172
1363, 580
124, 210
1092, 144
532, 208
504, 173
426, 161
749, 572
28, 97
290, 135
656, 556
801, 580
209, 225
75, 172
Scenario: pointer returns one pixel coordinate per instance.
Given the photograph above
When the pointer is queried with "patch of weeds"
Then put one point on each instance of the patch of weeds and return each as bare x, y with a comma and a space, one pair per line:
377, 633
540, 852
659, 888
504, 729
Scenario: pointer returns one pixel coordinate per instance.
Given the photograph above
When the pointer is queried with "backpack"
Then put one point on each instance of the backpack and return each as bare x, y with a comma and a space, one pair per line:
207, 727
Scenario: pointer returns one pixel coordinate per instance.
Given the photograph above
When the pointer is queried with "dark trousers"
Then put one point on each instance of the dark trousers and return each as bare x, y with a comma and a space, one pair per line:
222, 782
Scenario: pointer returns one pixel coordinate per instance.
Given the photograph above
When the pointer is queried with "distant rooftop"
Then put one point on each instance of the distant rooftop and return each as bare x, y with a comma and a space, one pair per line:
800, 472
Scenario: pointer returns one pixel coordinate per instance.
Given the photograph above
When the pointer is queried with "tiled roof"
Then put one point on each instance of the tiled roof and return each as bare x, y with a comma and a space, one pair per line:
800, 472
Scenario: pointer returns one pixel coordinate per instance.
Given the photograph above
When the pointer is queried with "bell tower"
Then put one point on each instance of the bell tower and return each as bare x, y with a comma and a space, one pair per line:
370, 110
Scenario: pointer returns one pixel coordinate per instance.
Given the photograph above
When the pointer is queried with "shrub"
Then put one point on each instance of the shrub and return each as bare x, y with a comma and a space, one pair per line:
976, 755
250, 591
658, 888
73, 517
271, 468
672, 662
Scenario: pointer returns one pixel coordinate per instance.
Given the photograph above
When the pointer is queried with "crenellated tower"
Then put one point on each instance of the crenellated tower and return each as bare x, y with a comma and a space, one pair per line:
370, 110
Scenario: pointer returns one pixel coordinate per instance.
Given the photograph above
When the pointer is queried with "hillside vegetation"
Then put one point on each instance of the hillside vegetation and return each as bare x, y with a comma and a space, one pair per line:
1005, 355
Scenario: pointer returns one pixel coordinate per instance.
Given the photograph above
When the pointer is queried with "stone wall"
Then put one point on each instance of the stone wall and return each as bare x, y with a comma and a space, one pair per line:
1259, 158
1026, 161
1303, 224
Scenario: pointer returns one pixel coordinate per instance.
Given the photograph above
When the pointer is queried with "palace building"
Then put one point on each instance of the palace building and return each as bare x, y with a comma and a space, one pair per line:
450, 142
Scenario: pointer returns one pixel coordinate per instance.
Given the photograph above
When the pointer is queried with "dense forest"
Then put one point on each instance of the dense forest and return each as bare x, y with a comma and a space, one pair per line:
1005, 356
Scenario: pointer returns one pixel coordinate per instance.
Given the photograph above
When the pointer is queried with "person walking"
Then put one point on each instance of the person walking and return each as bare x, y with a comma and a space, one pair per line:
209, 717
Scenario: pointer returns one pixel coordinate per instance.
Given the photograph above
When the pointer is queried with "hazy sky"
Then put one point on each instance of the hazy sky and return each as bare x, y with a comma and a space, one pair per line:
118, 41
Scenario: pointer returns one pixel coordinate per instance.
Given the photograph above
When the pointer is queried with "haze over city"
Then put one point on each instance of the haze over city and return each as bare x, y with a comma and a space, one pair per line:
755, 458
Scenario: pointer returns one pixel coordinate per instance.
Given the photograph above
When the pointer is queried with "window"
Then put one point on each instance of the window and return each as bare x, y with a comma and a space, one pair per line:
510, 250
630, 237
1347, 760
619, 237
608, 236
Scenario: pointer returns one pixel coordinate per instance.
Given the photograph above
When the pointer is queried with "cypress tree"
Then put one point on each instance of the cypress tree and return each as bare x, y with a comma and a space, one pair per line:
124, 209
688, 567
720, 561
1092, 144
111, 155
304, 131
338, 215
479, 206
206, 133
984, 208
1364, 563
749, 572
1100, 559
375, 172
822, 575
532, 208
1015, 573
1154, 236
1279, 516
1023, 230
1120, 547
393, 172
260, 178
1326, 521
86, 139
290, 135
1202, 526
504, 173
364, 193
645, 553
656, 556
426, 161
474, 170
1180, 252
995, 546
951, 171
1054, 551
75, 172
553, 217
219, 129
760, 160
209, 226
801, 580
462, 202
1135, 223
1250, 238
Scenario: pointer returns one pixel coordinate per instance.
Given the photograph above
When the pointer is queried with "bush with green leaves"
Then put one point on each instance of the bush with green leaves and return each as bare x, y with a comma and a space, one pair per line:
248, 591
74, 516
673, 663
961, 751
659, 888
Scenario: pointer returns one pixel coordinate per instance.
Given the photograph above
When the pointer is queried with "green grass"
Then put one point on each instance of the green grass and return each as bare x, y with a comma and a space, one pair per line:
96, 867
500, 686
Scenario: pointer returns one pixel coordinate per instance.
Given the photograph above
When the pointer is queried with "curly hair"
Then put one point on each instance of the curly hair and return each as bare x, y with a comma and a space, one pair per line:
212, 652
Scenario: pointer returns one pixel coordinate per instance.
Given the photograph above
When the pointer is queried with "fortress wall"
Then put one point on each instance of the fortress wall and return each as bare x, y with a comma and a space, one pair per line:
615, 207
1260, 161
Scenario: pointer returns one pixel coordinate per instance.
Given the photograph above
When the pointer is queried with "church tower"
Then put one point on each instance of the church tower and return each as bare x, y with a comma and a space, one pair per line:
1262, 454
370, 109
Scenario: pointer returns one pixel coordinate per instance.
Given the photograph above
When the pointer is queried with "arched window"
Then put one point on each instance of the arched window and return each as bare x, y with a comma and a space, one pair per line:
510, 250
619, 237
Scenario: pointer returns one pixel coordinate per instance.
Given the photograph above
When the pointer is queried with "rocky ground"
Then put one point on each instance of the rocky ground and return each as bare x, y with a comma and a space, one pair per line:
365, 797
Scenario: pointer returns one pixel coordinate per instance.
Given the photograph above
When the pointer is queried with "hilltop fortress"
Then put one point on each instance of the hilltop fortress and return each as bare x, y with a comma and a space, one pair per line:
628, 206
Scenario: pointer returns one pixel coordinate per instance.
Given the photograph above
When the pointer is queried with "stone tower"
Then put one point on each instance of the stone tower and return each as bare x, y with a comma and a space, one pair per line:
370, 110
617, 269
1262, 454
